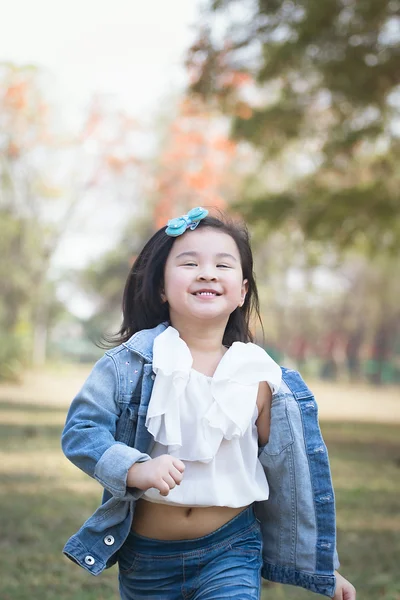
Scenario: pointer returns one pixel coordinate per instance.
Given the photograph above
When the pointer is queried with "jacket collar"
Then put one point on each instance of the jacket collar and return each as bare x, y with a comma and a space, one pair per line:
142, 341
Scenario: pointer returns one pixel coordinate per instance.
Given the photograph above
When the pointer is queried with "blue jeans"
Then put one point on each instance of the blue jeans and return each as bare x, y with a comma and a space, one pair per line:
223, 564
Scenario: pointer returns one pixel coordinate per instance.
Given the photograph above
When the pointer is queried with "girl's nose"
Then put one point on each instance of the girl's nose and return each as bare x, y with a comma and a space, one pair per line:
207, 276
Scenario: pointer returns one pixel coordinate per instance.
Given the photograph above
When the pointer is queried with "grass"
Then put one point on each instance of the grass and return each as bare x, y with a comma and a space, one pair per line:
44, 499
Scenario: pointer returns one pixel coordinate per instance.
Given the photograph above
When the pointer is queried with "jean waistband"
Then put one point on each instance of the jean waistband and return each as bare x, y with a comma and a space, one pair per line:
147, 545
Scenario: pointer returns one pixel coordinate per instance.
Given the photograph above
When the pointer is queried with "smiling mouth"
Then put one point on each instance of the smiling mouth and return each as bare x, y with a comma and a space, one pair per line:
206, 294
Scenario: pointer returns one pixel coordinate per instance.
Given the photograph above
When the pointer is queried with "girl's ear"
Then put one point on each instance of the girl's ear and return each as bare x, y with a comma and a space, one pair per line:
162, 296
244, 290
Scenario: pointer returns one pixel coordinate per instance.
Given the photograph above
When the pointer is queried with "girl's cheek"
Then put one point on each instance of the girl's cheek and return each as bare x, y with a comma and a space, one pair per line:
177, 280
182, 278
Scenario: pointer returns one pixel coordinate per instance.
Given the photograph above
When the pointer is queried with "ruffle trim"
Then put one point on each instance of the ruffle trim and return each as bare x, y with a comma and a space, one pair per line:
234, 388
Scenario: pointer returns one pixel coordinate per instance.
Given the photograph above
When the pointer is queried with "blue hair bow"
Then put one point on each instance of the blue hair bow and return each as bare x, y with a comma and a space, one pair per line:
190, 221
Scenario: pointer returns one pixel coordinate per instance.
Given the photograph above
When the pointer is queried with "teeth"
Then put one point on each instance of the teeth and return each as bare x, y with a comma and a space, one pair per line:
206, 294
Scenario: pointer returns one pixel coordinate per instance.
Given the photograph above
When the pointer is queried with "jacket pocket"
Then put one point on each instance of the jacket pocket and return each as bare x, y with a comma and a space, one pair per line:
280, 435
126, 425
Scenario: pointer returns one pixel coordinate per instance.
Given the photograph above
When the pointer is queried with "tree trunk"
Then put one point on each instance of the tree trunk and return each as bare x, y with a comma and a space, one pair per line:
40, 330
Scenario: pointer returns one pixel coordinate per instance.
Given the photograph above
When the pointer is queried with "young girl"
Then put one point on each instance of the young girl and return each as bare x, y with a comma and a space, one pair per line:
210, 455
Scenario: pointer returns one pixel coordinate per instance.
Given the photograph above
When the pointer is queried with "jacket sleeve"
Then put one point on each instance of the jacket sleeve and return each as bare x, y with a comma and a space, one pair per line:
88, 438
298, 520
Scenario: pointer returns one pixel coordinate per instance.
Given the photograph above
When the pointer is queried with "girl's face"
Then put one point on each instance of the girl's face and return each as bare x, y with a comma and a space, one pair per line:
203, 277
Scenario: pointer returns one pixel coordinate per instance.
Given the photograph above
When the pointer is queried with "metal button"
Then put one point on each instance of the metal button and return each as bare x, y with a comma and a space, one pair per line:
109, 540
153, 376
89, 560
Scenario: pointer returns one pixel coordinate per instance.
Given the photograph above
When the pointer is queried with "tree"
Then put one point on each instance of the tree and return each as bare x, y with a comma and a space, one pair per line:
197, 165
46, 174
104, 279
337, 315
313, 86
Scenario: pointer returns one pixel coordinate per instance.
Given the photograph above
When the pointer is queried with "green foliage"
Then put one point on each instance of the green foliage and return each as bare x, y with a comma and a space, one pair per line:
13, 355
363, 216
323, 87
20, 253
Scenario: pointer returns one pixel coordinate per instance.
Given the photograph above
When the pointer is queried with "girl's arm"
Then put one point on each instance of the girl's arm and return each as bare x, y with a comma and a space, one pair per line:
264, 399
88, 439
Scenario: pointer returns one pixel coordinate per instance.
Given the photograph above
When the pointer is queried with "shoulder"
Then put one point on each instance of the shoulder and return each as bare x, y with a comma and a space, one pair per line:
142, 341
293, 382
139, 344
249, 363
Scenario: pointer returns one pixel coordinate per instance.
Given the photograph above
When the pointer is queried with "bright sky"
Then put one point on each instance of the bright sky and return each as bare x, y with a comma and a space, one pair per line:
130, 49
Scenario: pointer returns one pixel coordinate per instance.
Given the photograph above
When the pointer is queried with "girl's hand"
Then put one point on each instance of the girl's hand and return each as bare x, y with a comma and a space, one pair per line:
344, 589
162, 473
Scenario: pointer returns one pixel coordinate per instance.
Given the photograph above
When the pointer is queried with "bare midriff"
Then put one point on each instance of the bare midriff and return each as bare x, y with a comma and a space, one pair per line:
167, 522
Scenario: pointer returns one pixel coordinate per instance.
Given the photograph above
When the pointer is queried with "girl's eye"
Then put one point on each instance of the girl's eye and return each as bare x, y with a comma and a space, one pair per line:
192, 264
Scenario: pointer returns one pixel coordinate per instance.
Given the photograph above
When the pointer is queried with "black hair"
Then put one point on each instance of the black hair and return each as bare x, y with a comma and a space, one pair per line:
142, 305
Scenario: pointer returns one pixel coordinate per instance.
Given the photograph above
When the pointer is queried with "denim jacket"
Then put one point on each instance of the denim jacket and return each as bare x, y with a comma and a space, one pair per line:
105, 435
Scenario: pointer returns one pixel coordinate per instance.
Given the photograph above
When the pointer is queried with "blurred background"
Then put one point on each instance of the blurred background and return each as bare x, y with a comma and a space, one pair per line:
115, 117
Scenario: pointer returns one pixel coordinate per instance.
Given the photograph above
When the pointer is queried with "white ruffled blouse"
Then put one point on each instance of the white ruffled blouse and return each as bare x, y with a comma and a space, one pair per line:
209, 422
